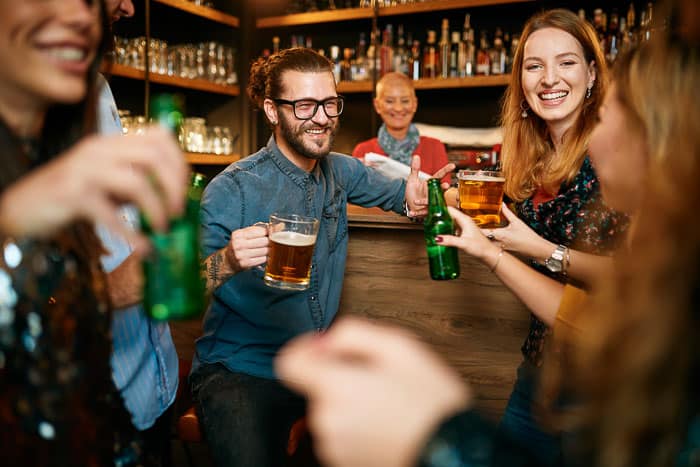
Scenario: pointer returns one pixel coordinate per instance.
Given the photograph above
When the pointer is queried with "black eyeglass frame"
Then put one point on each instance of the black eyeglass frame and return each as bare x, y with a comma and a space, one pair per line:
317, 103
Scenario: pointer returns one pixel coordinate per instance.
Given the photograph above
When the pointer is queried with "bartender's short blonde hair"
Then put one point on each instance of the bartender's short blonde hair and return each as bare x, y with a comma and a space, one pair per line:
394, 78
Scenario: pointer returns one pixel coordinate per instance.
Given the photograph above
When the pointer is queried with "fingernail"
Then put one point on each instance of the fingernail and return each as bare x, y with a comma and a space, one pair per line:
438, 239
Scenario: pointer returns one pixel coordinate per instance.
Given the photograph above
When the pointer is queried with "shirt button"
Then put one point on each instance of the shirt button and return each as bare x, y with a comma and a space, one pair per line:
313, 297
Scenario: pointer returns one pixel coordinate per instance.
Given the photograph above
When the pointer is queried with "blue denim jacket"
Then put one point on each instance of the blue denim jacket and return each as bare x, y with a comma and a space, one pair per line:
247, 322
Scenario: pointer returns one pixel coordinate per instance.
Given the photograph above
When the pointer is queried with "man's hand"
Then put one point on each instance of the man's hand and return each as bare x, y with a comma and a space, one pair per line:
417, 190
247, 248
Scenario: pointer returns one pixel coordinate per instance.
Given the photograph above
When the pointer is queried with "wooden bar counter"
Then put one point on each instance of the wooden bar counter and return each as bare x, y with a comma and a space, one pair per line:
473, 321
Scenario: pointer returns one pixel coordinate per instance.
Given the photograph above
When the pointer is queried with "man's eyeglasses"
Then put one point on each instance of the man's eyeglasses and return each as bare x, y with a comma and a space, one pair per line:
305, 109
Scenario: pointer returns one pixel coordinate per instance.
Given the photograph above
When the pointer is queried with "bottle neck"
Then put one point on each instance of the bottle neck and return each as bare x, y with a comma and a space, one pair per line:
436, 201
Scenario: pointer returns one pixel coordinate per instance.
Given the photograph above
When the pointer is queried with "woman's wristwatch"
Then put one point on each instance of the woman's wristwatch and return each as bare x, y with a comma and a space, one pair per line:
558, 260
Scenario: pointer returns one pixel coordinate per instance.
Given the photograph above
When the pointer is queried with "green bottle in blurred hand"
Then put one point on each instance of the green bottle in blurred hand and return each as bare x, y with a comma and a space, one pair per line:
173, 285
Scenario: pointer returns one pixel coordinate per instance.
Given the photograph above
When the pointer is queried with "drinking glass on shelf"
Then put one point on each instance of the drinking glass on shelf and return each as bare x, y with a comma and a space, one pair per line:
193, 134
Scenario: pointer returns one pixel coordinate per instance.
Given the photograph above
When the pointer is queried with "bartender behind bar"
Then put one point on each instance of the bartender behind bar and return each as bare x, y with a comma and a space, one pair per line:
398, 138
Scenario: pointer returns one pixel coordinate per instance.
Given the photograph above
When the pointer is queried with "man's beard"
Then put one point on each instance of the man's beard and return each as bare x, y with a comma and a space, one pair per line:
295, 138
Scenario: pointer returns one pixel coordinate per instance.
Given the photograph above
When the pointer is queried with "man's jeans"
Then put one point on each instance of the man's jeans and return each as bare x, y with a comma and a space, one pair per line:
244, 419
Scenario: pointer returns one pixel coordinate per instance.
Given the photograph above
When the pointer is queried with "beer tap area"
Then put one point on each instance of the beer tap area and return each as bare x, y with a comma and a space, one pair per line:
458, 55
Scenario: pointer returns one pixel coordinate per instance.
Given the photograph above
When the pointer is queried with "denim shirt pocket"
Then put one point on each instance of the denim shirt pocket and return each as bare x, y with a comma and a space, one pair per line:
335, 219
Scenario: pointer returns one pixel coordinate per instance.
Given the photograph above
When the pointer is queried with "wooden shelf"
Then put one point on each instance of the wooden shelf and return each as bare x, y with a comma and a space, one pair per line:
199, 84
471, 82
441, 5
196, 158
327, 16
115, 69
203, 11
348, 14
350, 87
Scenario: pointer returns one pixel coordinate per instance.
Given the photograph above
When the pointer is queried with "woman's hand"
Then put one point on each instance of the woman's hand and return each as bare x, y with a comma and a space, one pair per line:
375, 394
520, 238
93, 179
470, 238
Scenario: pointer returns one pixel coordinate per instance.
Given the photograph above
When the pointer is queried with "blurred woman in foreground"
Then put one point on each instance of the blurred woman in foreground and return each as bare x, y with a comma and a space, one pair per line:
379, 398
58, 404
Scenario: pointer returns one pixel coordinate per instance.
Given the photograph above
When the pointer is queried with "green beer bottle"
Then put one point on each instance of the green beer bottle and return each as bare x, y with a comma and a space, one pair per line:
173, 285
444, 261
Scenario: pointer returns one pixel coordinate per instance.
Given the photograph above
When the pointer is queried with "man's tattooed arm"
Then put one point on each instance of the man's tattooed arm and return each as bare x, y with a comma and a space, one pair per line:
216, 270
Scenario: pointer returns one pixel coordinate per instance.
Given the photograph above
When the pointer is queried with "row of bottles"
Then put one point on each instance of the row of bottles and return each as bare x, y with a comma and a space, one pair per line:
303, 6
454, 55
618, 33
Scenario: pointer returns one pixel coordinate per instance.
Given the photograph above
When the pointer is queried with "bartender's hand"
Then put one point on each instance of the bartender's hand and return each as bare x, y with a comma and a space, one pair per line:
417, 190
93, 179
375, 393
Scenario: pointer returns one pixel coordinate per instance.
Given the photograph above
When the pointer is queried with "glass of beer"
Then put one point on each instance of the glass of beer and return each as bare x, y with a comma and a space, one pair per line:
481, 196
292, 240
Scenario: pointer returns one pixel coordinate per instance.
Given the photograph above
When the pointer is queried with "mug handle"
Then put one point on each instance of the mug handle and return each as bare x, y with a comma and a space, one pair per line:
261, 267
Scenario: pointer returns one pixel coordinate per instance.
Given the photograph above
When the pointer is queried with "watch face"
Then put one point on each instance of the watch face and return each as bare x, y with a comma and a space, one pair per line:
553, 265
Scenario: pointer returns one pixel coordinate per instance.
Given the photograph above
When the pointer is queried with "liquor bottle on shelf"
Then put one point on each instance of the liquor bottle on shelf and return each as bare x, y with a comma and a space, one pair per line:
360, 67
611, 41
483, 62
401, 53
346, 65
455, 46
467, 58
372, 55
275, 44
335, 58
646, 30
514, 42
386, 51
599, 26
445, 49
415, 67
431, 57
497, 55
443, 260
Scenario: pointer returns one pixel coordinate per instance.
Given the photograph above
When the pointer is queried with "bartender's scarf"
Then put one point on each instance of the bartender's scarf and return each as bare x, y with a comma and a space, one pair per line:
399, 150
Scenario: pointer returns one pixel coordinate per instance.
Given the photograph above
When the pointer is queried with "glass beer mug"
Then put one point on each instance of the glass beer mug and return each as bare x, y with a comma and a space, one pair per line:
481, 196
291, 250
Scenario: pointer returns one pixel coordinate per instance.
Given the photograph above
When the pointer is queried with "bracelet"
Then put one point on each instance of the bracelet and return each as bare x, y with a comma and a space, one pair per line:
498, 259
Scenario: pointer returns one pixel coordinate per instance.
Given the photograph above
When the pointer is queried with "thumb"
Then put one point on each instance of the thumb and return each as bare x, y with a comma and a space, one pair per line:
510, 215
459, 217
297, 364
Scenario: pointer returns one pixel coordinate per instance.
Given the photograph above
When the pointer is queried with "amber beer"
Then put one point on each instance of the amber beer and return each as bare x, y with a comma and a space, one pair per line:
481, 196
291, 249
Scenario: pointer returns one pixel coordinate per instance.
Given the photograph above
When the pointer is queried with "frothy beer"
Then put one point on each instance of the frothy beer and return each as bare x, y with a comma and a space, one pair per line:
289, 259
481, 195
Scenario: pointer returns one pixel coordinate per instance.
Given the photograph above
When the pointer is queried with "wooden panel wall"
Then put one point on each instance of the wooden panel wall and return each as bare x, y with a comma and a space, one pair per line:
474, 321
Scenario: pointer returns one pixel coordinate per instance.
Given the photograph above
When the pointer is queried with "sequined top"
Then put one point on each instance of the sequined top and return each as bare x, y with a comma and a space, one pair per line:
577, 218
58, 405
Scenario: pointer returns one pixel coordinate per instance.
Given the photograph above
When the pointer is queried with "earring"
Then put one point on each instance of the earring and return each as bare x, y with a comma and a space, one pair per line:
589, 91
524, 107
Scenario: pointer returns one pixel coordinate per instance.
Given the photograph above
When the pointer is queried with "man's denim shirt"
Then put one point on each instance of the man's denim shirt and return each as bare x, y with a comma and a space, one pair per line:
247, 322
